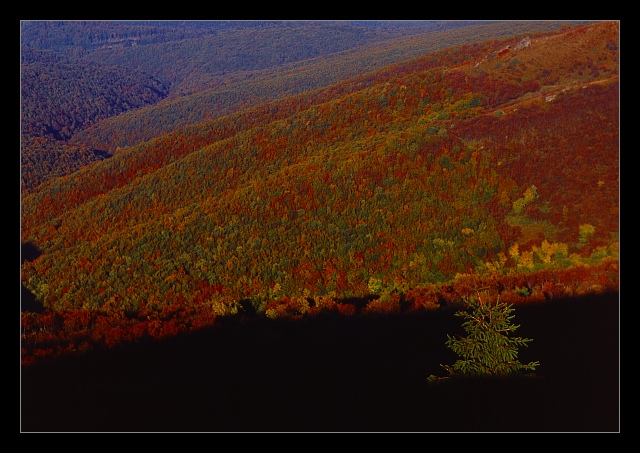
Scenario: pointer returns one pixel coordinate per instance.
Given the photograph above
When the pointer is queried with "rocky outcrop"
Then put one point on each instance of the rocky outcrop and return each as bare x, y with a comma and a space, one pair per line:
523, 44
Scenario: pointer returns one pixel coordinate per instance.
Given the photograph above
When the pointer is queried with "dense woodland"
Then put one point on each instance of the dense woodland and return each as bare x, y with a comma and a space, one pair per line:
223, 78
53, 110
197, 173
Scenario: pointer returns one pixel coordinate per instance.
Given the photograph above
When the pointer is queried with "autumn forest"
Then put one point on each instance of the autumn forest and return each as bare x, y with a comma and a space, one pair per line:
177, 176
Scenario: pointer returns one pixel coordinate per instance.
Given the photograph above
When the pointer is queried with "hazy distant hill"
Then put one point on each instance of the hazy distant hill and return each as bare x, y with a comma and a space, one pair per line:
206, 93
61, 96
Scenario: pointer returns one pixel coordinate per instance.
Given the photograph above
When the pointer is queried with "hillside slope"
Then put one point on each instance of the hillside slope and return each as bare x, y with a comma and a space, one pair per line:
210, 95
208, 69
52, 109
495, 158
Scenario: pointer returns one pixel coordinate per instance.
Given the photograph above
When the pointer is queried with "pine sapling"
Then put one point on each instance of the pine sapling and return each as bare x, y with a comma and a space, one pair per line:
488, 350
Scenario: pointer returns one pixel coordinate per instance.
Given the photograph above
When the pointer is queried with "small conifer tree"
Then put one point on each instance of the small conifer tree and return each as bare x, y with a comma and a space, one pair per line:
487, 350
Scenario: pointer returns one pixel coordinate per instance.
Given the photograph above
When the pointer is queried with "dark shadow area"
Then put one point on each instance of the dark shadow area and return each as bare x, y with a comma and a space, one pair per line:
337, 374
29, 252
359, 302
102, 153
28, 301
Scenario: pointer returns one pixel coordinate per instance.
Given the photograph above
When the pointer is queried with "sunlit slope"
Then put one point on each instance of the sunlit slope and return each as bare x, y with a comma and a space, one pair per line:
400, 176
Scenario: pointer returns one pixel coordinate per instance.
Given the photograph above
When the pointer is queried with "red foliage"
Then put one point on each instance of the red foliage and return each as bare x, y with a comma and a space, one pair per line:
446, 266
52, 334
424, 298
346, 309
510, 297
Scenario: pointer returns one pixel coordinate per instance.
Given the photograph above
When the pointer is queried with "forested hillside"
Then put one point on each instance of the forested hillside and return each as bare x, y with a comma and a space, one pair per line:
221, 94
359, 188
121, 66
204, 70
61, 96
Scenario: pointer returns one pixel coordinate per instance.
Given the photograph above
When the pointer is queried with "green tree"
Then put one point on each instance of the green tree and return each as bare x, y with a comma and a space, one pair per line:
488, 350
585, 232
